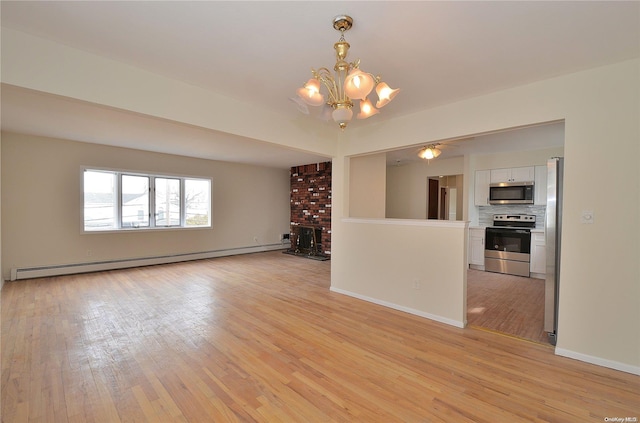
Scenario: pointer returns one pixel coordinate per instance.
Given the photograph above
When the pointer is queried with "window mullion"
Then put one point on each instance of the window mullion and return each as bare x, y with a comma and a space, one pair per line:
153, 213
119, 199
183, 203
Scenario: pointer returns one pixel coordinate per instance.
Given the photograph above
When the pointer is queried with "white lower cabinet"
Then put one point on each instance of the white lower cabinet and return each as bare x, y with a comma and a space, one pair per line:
538, 253
476, 246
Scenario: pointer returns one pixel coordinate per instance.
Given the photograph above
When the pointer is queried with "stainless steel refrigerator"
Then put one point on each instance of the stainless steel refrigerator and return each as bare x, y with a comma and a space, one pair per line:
553, 229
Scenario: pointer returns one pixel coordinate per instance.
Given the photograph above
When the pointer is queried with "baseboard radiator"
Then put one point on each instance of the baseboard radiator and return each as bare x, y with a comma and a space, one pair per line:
97, 266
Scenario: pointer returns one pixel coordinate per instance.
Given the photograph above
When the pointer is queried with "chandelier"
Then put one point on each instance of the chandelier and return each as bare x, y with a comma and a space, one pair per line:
349, 84
429, 152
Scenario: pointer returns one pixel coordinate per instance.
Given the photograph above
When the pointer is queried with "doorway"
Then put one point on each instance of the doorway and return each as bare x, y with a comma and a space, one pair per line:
432, 198
443, 203
442, 197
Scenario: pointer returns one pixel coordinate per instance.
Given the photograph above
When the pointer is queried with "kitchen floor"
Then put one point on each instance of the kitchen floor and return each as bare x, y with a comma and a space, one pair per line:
508, 304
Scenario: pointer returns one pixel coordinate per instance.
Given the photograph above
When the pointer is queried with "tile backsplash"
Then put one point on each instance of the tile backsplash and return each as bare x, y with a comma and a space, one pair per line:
486, 213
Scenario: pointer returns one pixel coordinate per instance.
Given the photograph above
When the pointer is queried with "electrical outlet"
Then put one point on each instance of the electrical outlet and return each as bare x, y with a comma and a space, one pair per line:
416, 284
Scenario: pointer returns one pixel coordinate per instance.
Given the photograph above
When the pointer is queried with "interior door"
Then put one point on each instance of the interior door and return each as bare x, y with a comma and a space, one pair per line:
444, 209
432, 199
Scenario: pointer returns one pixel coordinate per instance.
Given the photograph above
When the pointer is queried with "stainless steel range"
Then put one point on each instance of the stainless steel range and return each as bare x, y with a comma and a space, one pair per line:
508, 244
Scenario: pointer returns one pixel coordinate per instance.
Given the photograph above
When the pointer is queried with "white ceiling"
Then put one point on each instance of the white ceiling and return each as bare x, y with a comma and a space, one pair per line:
260, 52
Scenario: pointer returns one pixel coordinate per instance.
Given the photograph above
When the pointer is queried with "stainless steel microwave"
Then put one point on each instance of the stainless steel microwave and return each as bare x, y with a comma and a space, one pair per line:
511, 193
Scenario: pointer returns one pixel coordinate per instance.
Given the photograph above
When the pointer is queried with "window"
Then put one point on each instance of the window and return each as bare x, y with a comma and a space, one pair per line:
135, 201
197, 198
168, 202
100, 201
114, 200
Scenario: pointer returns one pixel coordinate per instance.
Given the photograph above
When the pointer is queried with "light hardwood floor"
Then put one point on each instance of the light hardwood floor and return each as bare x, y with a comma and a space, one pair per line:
261, 338
509, 304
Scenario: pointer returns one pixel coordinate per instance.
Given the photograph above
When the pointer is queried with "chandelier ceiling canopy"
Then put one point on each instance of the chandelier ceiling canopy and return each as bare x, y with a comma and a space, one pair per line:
346, 85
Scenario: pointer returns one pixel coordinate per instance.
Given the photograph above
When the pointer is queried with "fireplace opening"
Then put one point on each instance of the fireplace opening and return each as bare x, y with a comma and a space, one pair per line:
307, 241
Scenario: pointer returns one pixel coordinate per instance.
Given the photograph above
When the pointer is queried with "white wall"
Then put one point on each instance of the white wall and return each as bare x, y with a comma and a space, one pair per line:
516, 158
367, 184
414, 266
600, 276
407, 186
41, 204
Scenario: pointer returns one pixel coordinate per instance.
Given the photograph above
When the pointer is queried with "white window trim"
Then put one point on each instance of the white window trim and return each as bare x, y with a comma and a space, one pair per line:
119, 172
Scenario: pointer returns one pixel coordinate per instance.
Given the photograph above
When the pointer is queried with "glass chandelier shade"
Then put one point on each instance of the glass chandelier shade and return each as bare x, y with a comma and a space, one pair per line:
346, 85
385, 94
310, 93
358, 84
342, 115
367, 109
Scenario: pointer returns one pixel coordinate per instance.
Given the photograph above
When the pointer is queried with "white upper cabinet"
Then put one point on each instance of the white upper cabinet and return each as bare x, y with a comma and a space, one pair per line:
514, 174
540, 196
481, 193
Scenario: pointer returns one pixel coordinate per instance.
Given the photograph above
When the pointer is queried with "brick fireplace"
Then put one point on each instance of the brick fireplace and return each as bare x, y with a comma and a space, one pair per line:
311, 204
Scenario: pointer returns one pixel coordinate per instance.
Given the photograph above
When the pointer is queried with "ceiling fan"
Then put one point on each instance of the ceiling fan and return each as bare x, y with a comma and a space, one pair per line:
415, 153
430, 151
433, 150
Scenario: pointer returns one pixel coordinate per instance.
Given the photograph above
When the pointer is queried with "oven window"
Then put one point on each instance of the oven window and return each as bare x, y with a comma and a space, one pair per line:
509, 240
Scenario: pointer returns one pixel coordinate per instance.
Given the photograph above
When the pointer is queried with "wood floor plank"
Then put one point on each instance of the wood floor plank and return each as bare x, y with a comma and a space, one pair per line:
145, 405
508, 304
261, 338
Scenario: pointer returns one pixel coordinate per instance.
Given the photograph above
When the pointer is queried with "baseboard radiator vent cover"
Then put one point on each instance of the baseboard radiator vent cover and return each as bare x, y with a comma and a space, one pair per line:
97, 266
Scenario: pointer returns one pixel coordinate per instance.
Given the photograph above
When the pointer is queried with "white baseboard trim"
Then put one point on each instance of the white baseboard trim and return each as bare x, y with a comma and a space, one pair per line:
615, 365
68, 269
409, 310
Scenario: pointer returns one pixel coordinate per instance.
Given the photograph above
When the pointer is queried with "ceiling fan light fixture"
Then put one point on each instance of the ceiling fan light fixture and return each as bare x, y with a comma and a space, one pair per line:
429, 152
346, 84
